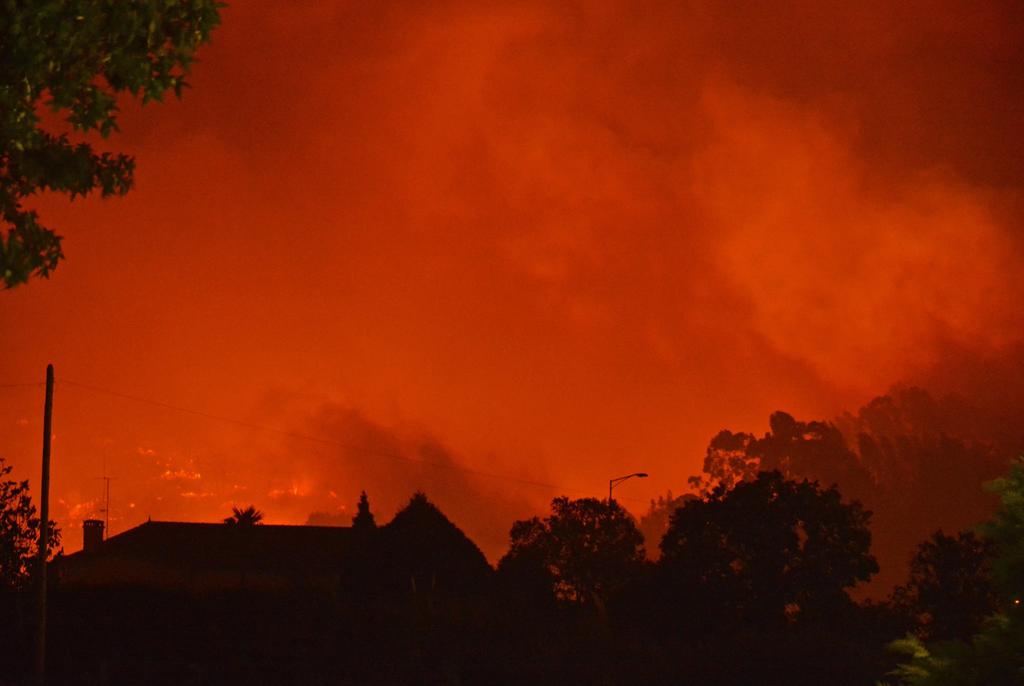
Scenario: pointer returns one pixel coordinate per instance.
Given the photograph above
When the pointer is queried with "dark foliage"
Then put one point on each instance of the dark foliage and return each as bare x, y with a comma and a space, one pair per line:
916, 462
949, 593
19, 533
76, 57
995, 654
813, 450
769, 551
363, 521
250, 516
19, 547
654, 523
585, 550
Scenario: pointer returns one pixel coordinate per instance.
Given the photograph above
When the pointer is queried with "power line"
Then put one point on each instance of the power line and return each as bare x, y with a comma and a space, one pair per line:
35, 384
326, 441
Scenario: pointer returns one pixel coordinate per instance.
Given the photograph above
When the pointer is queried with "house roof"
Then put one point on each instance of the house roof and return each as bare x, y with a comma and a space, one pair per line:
224, 546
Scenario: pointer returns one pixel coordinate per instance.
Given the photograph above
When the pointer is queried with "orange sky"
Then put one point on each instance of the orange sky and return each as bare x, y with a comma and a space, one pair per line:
554, 241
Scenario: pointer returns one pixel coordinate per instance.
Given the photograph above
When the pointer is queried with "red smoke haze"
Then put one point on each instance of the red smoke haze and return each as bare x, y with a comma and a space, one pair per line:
552, 241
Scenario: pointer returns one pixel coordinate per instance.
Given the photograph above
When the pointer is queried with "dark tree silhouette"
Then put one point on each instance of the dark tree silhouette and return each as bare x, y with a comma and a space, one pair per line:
916, 462
79, 59
769, 551
929, 458
654, 523
949, 592
1006, 531
727, 462
363, 521
19, 532
994, 655
811, 450
588, 548
250, 516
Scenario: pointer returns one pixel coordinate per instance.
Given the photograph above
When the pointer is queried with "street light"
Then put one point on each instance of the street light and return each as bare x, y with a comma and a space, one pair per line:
612, 483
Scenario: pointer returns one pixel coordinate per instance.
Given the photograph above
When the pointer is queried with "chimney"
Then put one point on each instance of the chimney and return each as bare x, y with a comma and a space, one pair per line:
92, 535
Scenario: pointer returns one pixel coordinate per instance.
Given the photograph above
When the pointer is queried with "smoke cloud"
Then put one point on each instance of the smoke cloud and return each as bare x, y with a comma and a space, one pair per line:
569, 240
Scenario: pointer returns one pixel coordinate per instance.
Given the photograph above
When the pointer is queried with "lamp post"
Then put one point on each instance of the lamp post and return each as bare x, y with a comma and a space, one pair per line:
612, 483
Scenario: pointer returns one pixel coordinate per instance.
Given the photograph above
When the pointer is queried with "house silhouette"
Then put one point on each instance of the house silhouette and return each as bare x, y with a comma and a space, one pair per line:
202, 557
420, 550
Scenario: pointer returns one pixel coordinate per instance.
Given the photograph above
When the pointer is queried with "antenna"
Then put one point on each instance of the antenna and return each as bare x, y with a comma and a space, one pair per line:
106, 506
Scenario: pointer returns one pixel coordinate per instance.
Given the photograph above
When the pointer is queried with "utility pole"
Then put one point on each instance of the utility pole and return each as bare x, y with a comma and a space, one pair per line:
44, 531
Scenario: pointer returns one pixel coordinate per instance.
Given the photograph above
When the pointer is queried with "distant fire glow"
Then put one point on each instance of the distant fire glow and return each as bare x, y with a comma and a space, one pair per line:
501, 252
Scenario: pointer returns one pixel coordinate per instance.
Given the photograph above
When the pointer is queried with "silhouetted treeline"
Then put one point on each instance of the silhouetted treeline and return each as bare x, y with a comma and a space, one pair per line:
917, 462
753, 579
752, 586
